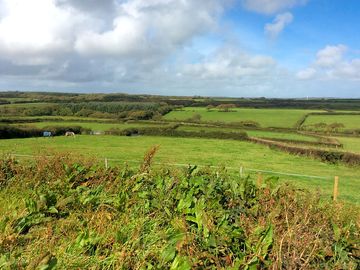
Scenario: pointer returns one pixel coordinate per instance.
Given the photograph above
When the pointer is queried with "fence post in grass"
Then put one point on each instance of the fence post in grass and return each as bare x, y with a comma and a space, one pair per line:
106, 163
336, 188
259, 180
241, 171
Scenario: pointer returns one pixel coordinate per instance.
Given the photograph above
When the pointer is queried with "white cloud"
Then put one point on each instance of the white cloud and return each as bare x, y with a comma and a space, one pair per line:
229, 63
271, 6
331, 64
33, 31
306, 74
151, 27
274, 29
330, 56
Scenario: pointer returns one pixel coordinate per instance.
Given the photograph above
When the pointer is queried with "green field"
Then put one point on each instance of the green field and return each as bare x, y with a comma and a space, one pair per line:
95, 126
253, 133
284, 118
28, 105
198, 151
349, 121
351, 144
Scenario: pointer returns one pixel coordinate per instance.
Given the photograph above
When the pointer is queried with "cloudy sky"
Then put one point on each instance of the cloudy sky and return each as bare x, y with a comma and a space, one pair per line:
251, 48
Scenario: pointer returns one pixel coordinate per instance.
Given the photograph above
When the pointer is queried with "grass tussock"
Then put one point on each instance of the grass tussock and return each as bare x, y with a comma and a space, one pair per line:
63, 213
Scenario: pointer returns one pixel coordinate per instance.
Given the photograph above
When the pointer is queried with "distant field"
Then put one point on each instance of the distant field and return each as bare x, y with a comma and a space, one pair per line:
349, 121
197, 151
253, 133
28, 105
95, 126
350, 144
285, 118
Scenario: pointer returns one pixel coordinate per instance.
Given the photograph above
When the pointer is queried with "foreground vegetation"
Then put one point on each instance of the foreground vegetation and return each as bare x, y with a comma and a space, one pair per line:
64, 212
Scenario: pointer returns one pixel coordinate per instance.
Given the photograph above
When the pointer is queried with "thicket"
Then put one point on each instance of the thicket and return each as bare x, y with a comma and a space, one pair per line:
115, 110
65, 213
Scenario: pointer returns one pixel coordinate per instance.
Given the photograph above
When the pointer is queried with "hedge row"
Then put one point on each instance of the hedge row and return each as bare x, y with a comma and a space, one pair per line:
10, 132
323, 155
172, 132
319, 144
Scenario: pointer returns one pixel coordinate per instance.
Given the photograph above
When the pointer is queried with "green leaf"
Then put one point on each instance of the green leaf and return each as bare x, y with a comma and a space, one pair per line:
168, 254
180, 263
337, 232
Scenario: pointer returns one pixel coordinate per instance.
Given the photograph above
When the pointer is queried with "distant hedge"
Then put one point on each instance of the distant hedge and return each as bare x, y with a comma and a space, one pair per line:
10, 132
310, 143
324, 155
61, 130
172, 132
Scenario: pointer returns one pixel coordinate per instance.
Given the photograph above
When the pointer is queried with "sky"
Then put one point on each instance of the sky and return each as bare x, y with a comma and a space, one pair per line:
237, 48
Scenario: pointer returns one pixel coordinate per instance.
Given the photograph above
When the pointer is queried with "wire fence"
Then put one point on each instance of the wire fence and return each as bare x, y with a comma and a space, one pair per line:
241, 169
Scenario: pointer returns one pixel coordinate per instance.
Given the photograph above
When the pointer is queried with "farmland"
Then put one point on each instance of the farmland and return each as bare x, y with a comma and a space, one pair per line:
265, 117
198, 152
171, 187
349, 121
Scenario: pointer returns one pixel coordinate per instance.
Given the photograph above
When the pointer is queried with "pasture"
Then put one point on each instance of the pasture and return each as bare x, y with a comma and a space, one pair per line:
228, 153
253, 133
283, 118
349, 121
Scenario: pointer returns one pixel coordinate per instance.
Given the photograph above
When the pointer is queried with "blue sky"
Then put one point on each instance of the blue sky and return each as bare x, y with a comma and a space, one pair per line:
251, 48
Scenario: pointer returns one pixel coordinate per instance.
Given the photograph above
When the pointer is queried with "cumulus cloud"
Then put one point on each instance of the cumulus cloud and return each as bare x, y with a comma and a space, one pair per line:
151, 27
330, 56
274, 29
271, 6
306, 74
230, 63
32, 32
331, 63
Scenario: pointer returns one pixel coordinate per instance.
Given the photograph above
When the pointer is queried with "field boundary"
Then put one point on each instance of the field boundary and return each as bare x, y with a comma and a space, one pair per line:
241, 169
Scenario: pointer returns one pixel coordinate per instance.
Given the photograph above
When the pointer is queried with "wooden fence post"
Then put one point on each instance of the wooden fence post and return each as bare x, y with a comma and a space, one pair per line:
259, 180
336, 188
106, 163
241, 171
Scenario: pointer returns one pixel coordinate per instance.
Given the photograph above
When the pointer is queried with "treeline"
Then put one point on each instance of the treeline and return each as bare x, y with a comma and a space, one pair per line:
187, 101
115, 110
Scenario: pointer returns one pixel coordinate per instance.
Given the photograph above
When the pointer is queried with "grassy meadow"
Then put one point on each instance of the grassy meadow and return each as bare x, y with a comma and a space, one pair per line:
349, 121
212, 152
284, 118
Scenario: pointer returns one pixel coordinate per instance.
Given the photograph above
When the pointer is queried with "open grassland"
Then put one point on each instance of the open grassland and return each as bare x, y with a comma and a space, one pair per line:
95, 126
199, 152
284, 118
349, 121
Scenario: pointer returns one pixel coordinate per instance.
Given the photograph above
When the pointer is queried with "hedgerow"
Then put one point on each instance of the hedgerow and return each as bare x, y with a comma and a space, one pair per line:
75, 214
